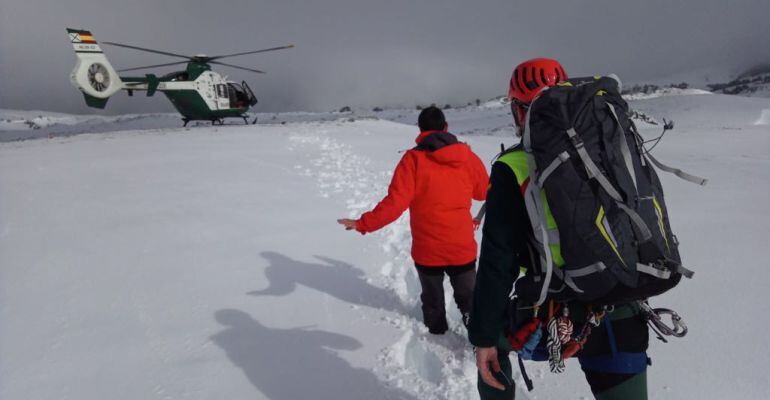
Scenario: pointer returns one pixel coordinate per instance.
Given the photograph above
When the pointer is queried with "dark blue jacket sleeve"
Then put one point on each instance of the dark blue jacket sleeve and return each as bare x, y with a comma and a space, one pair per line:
506, 227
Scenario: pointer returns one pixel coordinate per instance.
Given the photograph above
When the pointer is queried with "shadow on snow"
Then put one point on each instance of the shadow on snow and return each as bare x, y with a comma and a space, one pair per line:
336, 278
298, 363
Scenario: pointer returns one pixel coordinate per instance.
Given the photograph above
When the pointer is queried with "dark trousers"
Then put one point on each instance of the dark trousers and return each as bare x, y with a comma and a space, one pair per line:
461, 277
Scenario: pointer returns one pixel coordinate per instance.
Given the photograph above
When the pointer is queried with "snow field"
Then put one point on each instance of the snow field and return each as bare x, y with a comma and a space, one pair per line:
115, 255
206, 262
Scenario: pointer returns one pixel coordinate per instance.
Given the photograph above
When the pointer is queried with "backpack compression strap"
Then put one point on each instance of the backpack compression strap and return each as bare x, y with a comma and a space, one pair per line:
678, 172
593, 171
625, 149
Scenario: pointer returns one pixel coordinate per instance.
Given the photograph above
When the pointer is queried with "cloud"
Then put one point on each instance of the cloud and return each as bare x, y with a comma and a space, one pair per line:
366, 53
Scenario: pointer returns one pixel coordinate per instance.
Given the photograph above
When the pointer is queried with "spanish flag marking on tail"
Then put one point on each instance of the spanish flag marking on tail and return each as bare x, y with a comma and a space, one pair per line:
78, 36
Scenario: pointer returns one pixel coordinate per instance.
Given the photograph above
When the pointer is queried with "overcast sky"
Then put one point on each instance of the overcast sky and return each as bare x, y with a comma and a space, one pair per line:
374, 52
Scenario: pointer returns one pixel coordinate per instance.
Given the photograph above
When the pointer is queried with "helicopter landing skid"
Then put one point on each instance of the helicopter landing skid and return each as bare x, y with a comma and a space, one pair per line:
246, 120
221, 121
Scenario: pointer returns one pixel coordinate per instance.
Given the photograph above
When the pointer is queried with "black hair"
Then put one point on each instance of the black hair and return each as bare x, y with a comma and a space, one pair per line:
431, 119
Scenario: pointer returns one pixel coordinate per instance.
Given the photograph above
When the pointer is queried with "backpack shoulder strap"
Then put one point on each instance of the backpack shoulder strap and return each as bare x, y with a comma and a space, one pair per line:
535, 209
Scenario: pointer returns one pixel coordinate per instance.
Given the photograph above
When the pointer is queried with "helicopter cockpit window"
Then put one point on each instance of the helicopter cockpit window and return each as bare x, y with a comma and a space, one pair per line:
238, 97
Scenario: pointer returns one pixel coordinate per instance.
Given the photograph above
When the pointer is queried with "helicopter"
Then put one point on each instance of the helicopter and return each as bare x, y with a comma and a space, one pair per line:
197, 92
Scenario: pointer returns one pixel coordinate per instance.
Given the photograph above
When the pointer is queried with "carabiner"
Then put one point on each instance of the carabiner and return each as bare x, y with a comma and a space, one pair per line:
677, 328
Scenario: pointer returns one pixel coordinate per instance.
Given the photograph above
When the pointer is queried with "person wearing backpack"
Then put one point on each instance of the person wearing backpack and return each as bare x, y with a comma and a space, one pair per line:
609, 341
436, 180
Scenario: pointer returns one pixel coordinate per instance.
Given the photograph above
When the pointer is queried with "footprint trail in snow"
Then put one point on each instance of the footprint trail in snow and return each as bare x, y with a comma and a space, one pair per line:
428, 366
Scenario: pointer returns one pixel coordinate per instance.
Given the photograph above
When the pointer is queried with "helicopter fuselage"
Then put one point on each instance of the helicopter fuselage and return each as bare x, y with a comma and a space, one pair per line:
197, 93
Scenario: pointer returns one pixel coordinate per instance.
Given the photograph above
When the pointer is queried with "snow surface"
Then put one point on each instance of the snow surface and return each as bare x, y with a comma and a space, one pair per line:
205, 262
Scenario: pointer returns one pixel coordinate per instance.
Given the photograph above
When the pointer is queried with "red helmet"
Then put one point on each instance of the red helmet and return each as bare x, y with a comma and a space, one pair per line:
531, 76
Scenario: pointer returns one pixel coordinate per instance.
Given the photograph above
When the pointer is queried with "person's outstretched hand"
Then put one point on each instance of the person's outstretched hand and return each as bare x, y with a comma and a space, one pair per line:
349, 224
486, 357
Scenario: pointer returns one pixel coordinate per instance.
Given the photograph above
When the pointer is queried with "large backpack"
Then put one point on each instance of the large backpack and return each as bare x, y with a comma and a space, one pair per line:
589, 172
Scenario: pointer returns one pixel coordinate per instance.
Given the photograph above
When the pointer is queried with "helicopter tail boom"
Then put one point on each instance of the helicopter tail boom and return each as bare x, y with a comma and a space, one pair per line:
93, 74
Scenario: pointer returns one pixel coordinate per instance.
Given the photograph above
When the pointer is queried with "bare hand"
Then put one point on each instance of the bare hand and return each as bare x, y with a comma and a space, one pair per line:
349, 224
486, 356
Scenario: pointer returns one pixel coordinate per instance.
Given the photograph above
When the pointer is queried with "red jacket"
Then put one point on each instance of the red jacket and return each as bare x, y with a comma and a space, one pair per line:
436, 181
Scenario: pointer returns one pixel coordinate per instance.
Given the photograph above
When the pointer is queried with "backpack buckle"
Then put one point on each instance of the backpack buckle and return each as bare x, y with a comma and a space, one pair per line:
576, 141
639, 199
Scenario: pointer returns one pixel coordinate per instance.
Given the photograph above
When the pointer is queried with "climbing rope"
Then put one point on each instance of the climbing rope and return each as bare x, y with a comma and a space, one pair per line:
564, 326
554, 347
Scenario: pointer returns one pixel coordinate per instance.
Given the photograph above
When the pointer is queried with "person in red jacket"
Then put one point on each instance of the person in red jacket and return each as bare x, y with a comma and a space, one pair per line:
436, 181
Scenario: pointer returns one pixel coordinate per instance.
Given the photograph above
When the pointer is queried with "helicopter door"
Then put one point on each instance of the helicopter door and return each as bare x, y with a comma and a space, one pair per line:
249, 93
223, 97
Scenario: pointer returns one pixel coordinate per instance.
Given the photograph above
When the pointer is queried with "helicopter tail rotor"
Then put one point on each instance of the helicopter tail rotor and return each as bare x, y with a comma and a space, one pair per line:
93, 74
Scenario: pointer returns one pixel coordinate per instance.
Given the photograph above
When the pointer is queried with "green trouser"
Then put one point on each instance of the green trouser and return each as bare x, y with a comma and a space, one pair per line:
634, 388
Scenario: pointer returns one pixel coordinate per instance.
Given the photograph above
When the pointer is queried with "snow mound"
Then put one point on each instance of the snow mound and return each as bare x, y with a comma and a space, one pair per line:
670, 91
27, 120
495, 103
764, 119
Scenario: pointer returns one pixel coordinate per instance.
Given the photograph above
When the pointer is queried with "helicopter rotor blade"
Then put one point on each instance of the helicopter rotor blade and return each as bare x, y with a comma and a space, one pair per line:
237, 67
165, 53
250, 52
152, 66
